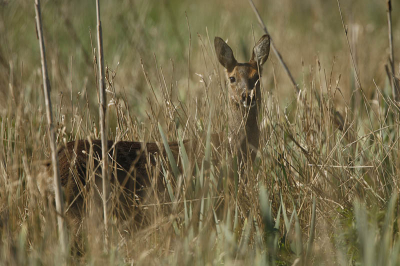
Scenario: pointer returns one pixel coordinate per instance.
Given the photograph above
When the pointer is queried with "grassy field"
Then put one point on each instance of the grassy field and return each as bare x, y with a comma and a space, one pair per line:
323, 189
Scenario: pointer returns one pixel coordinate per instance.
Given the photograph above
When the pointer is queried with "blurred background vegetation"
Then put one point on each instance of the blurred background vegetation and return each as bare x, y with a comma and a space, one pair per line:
303, 155
304, 32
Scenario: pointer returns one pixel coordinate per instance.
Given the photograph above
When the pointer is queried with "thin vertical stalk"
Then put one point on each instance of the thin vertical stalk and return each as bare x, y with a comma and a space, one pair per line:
393, 82
338, 121
46, 88
102, 111
391, 58
190, 46
312, 232
278, 55
353, 61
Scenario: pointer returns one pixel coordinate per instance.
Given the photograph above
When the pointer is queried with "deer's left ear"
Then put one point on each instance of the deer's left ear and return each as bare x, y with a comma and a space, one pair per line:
261, 50
224, 54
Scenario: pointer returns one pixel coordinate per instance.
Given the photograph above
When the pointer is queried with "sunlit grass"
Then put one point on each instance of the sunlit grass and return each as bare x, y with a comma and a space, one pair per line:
315, 193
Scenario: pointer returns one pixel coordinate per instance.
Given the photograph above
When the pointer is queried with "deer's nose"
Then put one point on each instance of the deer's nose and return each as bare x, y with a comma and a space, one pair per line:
247, 94
244, 96
248, 98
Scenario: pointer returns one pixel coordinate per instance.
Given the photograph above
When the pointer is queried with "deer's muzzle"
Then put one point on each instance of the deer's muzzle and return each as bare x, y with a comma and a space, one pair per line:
248, 99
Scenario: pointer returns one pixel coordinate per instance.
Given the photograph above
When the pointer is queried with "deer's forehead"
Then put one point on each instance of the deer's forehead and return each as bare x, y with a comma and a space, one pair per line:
245, 70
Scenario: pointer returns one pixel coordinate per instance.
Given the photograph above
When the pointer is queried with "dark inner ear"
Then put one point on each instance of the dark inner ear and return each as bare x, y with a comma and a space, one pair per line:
224, 54
261, 50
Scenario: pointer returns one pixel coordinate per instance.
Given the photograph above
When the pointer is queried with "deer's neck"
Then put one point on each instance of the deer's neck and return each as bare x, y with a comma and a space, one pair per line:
243, 126
252, 130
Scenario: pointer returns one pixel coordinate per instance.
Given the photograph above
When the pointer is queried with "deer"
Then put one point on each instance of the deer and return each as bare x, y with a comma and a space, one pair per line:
244, 95
132, 159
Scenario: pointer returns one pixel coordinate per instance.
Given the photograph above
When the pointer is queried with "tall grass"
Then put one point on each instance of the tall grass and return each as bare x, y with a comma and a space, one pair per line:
316, 194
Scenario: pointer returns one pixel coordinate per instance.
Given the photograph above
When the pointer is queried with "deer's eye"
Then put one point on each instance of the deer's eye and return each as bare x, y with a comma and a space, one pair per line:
232, 79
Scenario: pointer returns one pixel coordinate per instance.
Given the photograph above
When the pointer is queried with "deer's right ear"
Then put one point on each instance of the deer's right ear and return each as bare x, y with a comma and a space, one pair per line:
261, 50
224, 54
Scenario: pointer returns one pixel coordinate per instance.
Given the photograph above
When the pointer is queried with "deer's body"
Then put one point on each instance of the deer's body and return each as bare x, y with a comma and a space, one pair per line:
131, 159
128, 160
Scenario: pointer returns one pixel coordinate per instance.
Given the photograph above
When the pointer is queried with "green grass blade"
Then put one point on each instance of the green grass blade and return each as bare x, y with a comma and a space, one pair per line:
184, 157
208, 141
236, 217
171, 157
168, 184
387, 232
171, 195
312, 232
265, 207
285, 218
186, 213
278, 218
394, 258
297, 246
217, 225
201, 215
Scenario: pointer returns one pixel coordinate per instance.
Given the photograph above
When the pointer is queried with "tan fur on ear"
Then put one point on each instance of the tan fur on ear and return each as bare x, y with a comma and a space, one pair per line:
224, 54
261, 50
